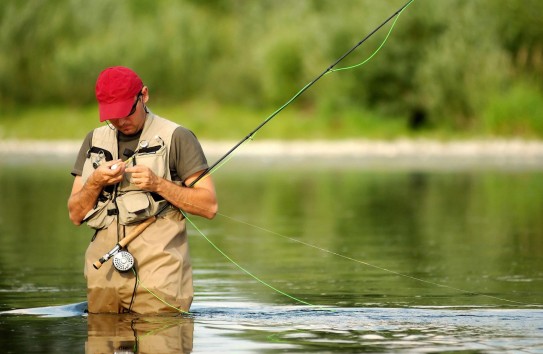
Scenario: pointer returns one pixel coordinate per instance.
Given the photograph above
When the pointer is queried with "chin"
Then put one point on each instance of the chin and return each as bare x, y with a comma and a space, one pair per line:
129, 132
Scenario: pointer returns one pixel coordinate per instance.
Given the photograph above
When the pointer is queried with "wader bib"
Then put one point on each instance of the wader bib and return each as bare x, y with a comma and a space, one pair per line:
161, 252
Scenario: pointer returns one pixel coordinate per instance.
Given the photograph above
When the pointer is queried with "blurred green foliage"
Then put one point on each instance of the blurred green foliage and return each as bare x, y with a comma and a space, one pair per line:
457, 65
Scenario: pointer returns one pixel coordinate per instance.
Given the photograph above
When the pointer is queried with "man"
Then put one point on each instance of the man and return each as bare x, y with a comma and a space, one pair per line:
137, 166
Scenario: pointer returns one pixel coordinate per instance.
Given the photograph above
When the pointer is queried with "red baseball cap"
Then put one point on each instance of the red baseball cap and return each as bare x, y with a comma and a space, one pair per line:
116, 89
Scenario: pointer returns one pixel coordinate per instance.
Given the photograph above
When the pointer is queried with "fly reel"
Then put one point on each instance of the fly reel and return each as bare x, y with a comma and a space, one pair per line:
123, 261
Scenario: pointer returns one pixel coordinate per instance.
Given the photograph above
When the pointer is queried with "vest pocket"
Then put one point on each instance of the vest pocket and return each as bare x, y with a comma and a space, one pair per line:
135, 206
99, 217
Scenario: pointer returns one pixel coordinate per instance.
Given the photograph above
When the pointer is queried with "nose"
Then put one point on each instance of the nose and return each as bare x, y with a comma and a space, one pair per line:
119, 122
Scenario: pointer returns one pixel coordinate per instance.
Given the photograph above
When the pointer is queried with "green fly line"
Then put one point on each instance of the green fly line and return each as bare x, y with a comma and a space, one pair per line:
222, 162
251, 138
242, 268
228, 156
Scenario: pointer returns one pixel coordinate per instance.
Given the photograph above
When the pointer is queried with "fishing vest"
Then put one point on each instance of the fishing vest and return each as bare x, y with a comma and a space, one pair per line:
125, 200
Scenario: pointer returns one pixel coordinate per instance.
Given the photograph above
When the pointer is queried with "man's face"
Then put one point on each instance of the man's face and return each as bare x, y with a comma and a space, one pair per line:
134, 122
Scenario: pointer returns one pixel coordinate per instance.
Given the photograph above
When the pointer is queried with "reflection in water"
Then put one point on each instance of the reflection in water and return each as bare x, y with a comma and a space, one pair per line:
139, 334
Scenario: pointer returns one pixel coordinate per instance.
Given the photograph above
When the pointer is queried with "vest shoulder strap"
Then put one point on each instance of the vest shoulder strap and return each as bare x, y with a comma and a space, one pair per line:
105, 138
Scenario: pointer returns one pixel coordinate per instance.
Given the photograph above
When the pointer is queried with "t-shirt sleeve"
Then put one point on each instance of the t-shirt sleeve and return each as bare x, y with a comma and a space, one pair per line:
186, 154
82, 155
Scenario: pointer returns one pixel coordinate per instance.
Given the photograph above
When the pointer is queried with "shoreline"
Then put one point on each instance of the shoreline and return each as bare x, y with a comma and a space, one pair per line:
508, 152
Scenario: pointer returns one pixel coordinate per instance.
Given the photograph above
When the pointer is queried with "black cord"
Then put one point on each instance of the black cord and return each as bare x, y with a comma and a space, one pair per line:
135, 288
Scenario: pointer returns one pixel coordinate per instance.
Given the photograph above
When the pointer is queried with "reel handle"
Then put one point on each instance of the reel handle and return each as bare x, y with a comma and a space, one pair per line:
125, 241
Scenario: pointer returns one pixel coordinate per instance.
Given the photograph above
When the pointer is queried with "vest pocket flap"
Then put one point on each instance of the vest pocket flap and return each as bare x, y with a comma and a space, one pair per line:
134, 202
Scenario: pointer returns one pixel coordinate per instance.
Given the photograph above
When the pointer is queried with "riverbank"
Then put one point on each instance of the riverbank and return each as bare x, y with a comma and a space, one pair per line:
501, 152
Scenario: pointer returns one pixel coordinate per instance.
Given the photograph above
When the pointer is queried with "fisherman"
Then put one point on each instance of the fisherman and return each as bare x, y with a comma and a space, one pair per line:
137, 166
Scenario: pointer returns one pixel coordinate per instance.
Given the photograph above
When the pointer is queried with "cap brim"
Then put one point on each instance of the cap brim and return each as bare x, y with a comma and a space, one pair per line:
109, 111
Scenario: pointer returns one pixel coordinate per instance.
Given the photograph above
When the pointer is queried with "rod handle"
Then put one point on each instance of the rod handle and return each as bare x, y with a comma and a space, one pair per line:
136, 231
98, 263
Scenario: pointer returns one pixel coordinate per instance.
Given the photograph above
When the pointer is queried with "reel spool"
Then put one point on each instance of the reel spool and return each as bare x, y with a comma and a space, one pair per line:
123, 261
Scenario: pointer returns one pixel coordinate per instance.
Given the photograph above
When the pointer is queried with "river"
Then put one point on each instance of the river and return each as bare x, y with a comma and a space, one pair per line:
306, 255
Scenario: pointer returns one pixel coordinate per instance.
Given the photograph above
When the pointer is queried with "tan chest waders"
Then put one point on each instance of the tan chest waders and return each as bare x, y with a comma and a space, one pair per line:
160, 252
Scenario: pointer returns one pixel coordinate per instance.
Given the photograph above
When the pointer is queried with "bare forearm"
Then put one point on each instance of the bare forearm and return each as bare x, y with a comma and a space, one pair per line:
196, 200
81, 202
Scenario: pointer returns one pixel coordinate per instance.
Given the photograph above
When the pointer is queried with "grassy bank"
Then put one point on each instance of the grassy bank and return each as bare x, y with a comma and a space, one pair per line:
214, 122
514, 115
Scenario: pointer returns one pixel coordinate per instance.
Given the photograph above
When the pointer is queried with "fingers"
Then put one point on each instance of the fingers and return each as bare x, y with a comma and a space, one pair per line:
142, 177
113, 172
114, 168
110, 172
137, 169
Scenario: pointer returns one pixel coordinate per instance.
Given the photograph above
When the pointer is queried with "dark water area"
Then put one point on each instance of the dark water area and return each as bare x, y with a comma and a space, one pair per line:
329, 257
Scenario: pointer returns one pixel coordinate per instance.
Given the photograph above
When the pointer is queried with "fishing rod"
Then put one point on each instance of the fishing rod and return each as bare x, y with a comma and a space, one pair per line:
305, 88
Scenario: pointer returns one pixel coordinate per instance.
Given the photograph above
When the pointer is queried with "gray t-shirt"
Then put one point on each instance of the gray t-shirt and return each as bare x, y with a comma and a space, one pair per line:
186, 154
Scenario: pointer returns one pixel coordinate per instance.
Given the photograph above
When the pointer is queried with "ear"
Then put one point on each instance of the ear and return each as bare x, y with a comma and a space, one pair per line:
145, 94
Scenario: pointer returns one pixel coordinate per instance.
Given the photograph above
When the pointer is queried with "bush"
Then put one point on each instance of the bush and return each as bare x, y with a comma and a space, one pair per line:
516, 111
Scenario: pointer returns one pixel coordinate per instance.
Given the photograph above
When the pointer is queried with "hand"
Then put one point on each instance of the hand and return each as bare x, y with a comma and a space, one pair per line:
106, 174
143, 178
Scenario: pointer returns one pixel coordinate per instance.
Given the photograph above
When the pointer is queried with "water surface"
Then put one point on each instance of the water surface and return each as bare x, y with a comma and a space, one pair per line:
411, 259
